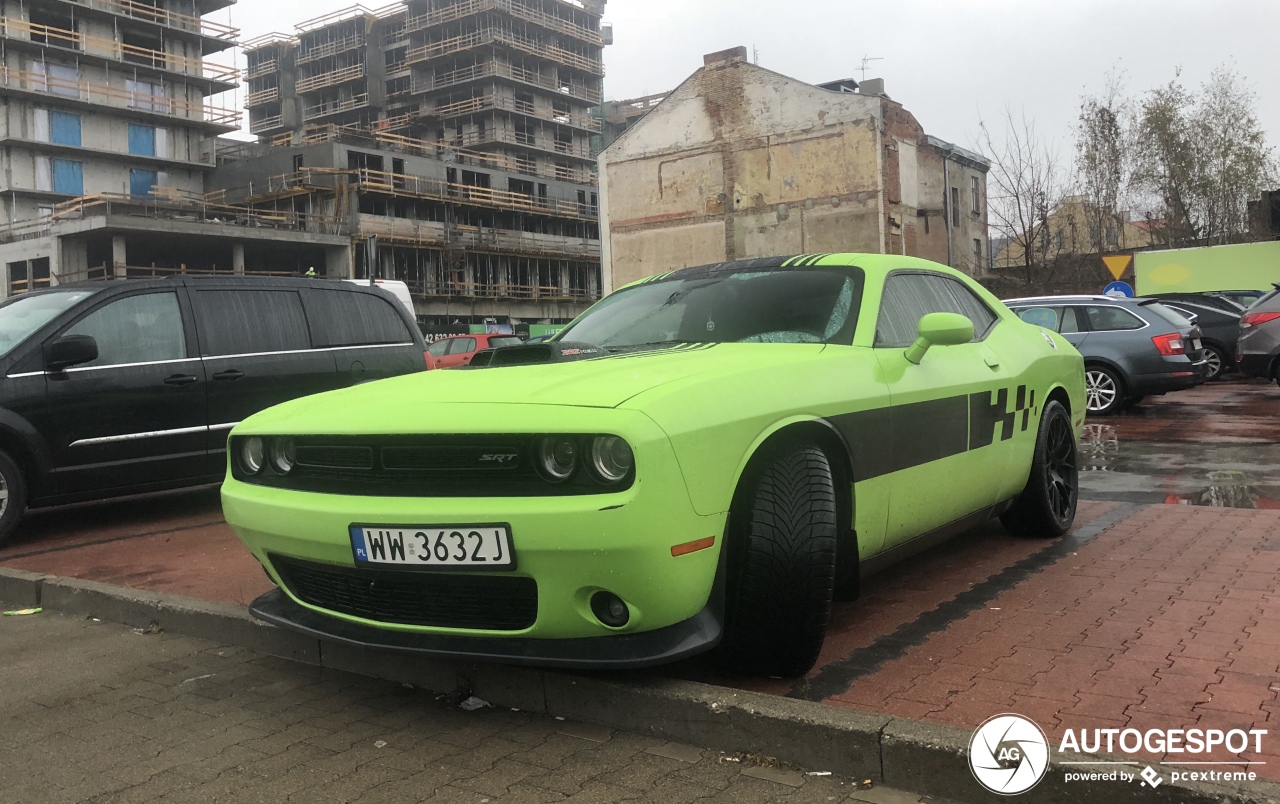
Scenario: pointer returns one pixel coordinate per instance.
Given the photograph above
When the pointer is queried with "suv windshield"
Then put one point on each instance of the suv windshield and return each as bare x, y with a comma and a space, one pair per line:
814, 305
21, 316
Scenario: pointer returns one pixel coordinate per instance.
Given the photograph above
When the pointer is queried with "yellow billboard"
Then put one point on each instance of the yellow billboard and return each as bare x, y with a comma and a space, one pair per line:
1247, 266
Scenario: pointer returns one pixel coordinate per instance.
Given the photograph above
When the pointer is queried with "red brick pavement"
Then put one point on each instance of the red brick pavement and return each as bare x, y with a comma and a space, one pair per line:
1166, 620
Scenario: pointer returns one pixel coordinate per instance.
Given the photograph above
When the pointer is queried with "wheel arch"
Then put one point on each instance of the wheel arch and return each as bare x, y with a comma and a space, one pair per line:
20, 440
824, 434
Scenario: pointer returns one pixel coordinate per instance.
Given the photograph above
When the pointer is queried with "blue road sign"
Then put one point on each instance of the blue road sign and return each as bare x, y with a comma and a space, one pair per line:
1119, 289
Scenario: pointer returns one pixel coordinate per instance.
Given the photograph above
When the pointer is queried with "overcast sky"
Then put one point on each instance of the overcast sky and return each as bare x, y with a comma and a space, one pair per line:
949, 62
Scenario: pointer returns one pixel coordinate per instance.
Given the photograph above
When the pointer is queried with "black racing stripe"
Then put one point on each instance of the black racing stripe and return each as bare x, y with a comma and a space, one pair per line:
839, 676
887, 440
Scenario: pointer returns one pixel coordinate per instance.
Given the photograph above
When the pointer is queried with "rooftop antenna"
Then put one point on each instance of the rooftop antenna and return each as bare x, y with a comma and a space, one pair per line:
867, 60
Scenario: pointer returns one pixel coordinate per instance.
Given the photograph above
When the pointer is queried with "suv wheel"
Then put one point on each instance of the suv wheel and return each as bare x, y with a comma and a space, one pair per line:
1105, 390
782, 564
13, 496
1217, 361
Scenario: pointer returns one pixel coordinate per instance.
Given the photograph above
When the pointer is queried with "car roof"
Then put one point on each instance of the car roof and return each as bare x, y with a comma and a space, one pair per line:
1080, 298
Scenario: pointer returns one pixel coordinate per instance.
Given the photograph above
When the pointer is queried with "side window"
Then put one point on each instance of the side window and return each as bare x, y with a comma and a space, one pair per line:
1111, 319
1046, 317
239, 322
1070, 321
350, 318
439, 348
139, 329
462, 345
908, 297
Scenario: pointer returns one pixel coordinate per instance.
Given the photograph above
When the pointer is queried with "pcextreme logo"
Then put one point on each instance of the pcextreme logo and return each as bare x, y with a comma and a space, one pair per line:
1008, 754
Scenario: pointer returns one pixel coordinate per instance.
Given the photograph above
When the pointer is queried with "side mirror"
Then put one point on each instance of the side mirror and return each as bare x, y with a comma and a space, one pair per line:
70, 350
940, 329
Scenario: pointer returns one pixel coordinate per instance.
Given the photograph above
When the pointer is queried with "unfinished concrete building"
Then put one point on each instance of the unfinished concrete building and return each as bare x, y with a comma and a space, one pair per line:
740, 161
110, 99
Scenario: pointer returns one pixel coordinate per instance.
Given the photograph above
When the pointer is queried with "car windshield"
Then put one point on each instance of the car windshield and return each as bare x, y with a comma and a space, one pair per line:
21, 316
812, 305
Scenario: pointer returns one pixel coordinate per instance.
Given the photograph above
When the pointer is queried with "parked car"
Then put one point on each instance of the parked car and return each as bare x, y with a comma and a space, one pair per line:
460, 349
705, 457
1223, 303
396, 288
1245, 298
1259, 348
1220, 329
1133, 348
116, 388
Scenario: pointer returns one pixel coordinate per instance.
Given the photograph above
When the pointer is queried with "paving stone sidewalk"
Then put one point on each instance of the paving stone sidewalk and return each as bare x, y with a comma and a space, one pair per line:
96, 712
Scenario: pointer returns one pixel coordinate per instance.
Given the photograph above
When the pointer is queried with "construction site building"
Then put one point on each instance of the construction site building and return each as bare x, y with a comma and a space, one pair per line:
105, 96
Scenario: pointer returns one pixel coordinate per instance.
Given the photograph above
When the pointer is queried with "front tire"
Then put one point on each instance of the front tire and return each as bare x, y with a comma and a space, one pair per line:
782, 563
13, 497
1218, 362
1104, 389
1047, 505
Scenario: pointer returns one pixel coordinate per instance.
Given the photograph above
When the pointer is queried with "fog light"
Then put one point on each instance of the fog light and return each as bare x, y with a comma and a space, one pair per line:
609, 609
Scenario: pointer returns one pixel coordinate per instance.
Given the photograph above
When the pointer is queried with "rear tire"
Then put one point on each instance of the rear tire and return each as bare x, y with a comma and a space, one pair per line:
13, 497
782, 563
1104, 390
1046, 508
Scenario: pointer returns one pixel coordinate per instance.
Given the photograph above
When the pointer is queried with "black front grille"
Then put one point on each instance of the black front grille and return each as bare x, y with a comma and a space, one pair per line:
480, 602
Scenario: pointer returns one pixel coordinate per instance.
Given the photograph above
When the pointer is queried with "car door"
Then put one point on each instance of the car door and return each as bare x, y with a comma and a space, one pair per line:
256, 348
1063, 319
460, 350
952, 415
369, 337
135, 416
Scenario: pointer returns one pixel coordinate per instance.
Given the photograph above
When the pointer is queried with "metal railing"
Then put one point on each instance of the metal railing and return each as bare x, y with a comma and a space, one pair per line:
262, 97
101, 93
335, 107
111, 48
331, 78
490, 35
332, 48
492, 69
264, 124
504, 103
171, 19
440, 190
263, 67
515, 9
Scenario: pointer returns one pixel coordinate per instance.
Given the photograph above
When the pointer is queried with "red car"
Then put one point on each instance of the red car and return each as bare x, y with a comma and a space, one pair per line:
458, 350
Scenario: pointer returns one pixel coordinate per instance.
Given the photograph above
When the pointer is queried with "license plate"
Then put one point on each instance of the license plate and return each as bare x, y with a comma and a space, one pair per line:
1196, 344
433, 546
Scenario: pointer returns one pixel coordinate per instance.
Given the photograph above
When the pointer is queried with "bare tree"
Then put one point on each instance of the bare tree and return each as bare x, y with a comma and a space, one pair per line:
1202, 158
1104, 160
1028, 186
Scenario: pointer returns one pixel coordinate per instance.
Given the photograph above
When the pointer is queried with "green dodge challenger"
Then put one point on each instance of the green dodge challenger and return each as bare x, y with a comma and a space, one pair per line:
707, 458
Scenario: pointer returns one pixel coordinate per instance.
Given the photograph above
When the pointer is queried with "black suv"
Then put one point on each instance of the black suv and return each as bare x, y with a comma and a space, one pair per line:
119, 388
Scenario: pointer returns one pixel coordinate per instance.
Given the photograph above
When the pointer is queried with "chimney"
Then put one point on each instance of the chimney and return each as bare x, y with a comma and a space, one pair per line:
730, 56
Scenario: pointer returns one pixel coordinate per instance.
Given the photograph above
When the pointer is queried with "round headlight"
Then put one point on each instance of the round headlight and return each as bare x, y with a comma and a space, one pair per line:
284, 455
557, 458
252, 455
611, 459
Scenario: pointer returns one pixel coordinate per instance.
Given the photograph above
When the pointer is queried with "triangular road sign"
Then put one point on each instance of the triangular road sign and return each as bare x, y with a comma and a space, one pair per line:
1118, 264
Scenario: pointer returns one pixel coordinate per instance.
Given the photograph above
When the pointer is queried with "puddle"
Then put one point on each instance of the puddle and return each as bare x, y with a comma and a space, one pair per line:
1225, 475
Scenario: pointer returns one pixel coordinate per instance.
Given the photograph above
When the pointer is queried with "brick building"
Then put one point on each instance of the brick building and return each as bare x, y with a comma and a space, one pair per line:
740, 161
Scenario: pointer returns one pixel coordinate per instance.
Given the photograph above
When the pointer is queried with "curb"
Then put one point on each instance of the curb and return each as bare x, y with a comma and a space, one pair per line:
910, 755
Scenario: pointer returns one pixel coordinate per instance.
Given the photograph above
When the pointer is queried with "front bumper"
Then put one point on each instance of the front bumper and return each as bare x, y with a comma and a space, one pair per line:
570, 546
695, 635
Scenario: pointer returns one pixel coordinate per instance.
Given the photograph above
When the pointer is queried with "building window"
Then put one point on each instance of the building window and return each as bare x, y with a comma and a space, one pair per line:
977, 254
955, 206
56, 79
975, 191
147, 96
68, 177
141, 182
64, 129
142, 140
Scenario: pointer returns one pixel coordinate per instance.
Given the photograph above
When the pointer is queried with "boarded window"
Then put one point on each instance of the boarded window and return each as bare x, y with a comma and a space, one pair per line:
68, 177
142, 140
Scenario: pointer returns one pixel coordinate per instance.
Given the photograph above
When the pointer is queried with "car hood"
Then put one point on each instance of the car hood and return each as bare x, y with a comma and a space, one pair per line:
594, 383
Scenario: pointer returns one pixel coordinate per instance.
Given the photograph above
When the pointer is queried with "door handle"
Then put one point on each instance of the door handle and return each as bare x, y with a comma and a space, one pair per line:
230, 375
181, 380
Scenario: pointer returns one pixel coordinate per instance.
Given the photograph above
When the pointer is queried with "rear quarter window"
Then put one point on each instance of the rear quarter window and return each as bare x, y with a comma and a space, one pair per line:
1112, 319
496, 342
347, 318
241, 322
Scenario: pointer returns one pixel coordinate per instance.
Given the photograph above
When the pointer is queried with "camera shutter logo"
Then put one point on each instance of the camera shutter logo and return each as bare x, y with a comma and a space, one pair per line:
1008, 754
